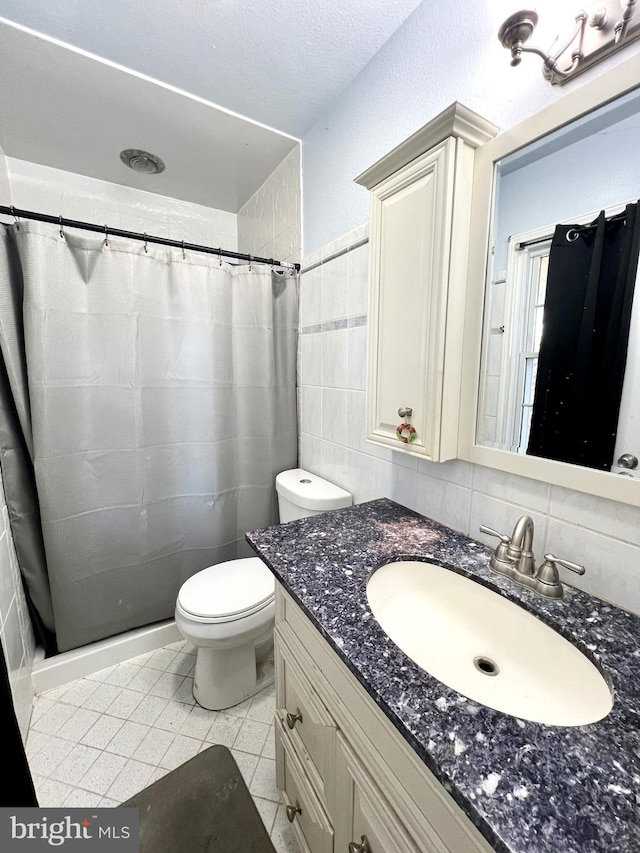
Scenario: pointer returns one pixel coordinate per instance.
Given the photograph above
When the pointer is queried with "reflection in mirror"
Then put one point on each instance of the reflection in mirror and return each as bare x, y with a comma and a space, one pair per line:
561, 341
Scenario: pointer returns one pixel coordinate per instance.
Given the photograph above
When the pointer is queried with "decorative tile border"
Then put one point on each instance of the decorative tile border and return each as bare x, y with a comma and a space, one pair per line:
337, 254
358, 320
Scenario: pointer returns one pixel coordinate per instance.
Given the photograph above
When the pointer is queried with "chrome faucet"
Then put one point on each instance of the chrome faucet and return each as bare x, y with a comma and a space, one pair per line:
520, 548
514, 558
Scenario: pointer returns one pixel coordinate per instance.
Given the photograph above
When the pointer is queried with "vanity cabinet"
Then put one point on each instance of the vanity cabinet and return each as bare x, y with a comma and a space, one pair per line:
418, 245
349, 781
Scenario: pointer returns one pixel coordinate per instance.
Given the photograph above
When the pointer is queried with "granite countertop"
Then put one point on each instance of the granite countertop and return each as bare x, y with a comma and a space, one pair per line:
528, 787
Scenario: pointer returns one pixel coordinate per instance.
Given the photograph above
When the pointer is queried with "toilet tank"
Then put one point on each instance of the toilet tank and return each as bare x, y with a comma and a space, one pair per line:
301, 494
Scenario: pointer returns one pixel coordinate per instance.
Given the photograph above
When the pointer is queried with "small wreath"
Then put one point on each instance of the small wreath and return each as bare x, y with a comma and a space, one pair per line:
406, 433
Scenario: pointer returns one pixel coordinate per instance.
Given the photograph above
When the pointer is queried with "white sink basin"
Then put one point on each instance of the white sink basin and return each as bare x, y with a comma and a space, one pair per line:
486, 647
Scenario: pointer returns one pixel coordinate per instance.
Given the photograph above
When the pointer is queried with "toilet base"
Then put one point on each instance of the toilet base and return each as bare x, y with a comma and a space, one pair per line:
225, 677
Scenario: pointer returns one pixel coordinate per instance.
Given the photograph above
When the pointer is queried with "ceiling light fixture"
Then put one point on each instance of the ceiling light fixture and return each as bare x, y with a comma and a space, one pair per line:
142, 161
601, 30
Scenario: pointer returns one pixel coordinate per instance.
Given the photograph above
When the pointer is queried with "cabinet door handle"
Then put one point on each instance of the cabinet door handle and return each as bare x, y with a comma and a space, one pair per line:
363, 847
292, 719
292, 811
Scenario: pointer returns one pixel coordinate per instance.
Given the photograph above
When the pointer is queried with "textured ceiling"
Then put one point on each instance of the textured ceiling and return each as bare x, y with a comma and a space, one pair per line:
280, 62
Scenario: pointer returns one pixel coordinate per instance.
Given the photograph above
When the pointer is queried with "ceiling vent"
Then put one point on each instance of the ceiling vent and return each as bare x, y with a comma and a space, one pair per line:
142, 161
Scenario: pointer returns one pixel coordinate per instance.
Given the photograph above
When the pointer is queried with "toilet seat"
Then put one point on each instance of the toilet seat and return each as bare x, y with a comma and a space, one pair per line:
227, 591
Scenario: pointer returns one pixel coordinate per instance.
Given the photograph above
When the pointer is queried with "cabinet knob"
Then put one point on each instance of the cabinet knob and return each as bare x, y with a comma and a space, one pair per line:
292, 719
363, 847
405, 411
292, 811
628, 460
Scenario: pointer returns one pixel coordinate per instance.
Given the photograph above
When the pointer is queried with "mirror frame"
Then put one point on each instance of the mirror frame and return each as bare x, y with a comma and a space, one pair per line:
618, 81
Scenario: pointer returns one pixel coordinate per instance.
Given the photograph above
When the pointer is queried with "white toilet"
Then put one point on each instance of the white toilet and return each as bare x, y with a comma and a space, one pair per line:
227, 611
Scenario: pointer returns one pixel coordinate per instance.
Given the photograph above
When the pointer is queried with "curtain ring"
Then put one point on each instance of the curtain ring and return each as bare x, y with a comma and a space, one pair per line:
145, 241
60, 224
220, 256
15, 216
183, 255
106, 237
249, 263
572, 235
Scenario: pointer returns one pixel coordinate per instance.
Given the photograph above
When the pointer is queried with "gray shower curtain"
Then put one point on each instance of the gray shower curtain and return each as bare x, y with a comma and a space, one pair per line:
156, 395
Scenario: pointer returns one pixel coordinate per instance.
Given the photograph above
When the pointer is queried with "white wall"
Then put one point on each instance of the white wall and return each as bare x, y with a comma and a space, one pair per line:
5, 190
601, 534
443, 52
46, 190
269, 224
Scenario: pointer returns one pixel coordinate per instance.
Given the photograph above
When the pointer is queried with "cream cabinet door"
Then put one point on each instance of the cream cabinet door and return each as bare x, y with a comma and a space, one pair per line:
303, 716
409, 257
373, 826
418, 251
304, 810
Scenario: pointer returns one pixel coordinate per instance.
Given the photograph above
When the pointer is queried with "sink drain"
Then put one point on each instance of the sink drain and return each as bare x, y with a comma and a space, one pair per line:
486, 666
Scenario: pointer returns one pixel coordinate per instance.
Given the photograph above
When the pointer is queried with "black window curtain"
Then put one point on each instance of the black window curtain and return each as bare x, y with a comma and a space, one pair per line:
583, 352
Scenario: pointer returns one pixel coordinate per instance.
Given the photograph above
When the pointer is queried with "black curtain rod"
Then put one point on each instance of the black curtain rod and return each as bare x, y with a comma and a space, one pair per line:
135, 235
579, 229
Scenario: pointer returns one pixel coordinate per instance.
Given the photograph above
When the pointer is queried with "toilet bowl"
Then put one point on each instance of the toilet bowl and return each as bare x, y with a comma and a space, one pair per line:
228, 610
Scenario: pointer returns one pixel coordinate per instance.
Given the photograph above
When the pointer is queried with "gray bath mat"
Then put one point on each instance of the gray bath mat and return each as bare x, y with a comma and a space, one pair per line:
202, 806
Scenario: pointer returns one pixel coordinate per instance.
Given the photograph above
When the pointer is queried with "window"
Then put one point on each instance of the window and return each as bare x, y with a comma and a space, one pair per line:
534, 282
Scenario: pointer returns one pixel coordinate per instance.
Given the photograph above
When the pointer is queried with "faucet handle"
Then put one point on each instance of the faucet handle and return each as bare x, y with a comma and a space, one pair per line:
500, 555
547, 579
490, 532
549, 558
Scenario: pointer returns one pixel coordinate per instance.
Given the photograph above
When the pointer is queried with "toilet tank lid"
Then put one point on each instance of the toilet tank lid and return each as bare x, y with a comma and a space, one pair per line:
232, 588
311, 492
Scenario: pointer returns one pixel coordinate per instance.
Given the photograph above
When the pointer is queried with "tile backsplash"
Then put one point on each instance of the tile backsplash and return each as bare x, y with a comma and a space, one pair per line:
601, 534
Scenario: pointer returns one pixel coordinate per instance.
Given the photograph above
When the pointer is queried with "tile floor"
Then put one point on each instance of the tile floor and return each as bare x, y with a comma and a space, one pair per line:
101, 739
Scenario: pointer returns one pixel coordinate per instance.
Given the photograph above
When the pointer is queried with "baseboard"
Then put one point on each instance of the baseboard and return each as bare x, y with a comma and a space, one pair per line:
78, 663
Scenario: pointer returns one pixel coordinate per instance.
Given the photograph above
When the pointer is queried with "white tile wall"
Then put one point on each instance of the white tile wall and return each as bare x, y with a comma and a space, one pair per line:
15, 626
602, 534
269, 223
46, 190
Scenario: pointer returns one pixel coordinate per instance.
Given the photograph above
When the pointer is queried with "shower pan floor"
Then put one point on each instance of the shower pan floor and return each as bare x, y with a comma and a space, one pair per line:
99, 740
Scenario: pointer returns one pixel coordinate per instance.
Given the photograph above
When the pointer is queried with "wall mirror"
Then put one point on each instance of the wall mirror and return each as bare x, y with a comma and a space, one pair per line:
552, 334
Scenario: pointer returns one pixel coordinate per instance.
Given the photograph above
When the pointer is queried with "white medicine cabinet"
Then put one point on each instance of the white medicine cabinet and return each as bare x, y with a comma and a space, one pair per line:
418, 246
